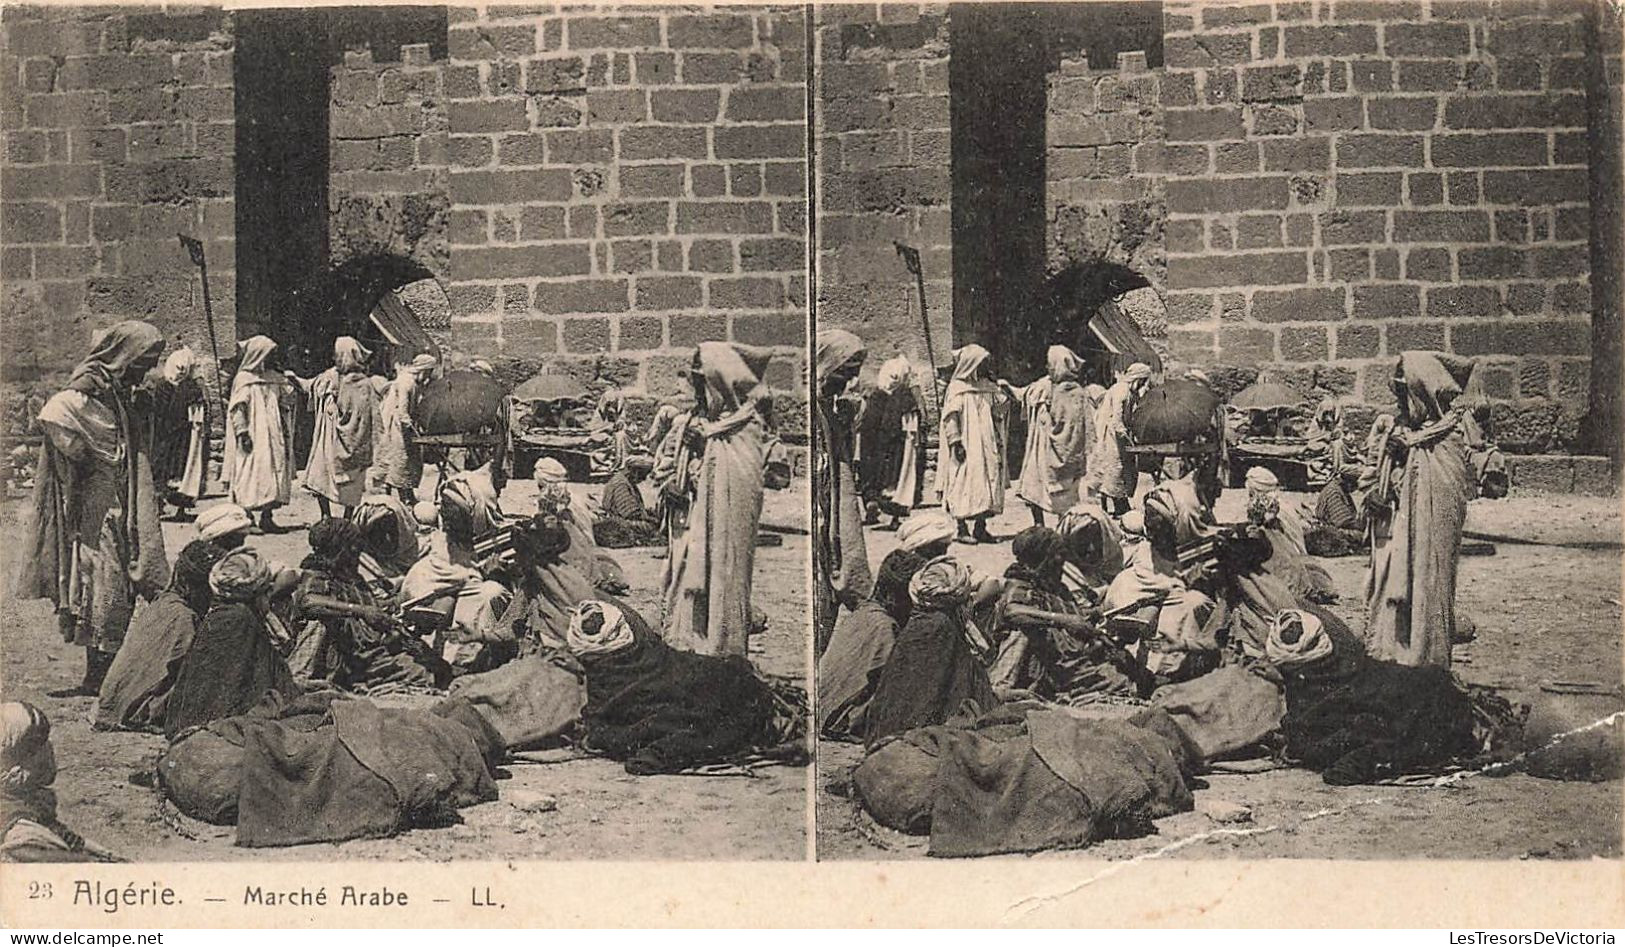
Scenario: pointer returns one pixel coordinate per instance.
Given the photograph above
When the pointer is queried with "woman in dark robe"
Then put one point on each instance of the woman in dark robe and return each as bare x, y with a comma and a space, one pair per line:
344, 637
935, 670
94, 543
233, 663
891, 466
138, 685
181, 433
849, 669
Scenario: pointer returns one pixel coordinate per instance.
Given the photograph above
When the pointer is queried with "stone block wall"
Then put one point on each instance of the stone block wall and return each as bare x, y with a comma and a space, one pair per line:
388, 186
627, 183
1370, 177
881, 108
118, 130
1105, 167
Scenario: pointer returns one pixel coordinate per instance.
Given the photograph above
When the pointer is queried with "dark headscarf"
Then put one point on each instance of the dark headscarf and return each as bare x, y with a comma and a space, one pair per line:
191, 575
1037, 545
891, 582
333, 541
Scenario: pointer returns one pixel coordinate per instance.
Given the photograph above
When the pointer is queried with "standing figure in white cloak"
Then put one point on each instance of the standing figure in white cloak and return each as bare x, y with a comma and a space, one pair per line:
971, 470
1057, 414
397, 455
1112, 471
258, 464
342, 400
710, 611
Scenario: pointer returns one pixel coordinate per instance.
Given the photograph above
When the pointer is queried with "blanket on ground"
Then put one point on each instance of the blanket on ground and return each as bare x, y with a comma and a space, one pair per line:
1023, 781
321, 768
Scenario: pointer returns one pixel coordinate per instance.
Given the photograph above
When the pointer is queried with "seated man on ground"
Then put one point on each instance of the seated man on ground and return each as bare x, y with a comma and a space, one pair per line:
1093, 554
233, 663
138, 684
1337, 527
1282, 525
936, 669
345, 639
849, 669
576, 516
624, 520
1049, 646
1155, 600
458, 595
27, 803
390, 541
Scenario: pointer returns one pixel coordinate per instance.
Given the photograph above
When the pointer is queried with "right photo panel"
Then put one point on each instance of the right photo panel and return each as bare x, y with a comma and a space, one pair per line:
1217, 429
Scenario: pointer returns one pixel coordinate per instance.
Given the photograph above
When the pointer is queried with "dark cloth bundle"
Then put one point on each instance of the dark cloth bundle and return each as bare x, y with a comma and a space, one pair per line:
320, 769
661, 710
1378, 720
1027, 781
230, 668
533, 702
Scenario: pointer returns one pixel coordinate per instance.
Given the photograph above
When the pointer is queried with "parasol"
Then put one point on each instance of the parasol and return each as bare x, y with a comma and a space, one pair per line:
1179, 416
1266, 396
548, 387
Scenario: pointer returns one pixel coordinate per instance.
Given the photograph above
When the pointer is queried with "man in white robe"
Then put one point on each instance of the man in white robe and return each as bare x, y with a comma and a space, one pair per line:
971, 471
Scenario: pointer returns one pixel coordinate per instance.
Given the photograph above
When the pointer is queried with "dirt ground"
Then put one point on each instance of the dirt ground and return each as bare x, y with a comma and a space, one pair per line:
575, 809
1544, 613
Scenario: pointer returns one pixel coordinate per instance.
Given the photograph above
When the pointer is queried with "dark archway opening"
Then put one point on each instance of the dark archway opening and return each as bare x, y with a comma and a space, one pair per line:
281, 72
1001, 58
340, 301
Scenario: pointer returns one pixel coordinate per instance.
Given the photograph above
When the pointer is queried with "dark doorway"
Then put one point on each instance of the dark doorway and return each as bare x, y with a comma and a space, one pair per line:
282, 73
1001, 56
281, 67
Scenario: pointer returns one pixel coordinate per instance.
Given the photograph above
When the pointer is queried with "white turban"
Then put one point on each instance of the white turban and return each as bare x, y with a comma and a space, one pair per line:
1137, 371
548, 470
1296, 637
1262, 479
599, 628
222, 520
924, 528
26, 759
179, 365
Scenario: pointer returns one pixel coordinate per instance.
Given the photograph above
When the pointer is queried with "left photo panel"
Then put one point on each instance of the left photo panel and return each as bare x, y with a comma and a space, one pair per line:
406, 428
